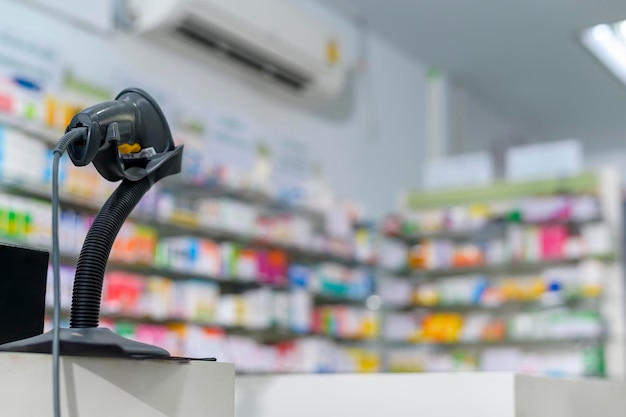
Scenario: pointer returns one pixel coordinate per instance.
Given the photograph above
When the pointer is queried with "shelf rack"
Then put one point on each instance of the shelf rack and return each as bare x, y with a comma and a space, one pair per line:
185, 226
509, 268
251, 196
48, 135
477, 233
272, 334
534, 343
179, 226
500, 307
604, 185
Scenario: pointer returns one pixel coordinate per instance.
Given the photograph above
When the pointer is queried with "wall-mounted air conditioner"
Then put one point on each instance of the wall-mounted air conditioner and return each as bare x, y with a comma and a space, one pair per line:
272, 39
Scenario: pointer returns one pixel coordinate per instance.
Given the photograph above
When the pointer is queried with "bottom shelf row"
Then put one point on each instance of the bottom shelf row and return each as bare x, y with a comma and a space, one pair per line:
568, 361
308, 354
318, 354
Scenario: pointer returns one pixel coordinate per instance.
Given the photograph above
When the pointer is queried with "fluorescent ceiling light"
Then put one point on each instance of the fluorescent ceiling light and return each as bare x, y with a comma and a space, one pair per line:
608, 44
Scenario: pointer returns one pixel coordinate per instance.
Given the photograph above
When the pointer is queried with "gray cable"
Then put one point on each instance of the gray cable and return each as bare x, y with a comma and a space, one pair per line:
56, 395
64, 142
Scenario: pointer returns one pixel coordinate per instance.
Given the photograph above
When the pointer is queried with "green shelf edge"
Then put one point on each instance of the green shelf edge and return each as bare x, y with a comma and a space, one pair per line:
584, 183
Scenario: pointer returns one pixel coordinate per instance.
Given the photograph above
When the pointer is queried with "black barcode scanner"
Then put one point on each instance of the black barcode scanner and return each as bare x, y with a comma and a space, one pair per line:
128, 140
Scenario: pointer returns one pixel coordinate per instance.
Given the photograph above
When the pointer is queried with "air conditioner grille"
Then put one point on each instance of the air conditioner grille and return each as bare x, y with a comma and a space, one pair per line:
199, 34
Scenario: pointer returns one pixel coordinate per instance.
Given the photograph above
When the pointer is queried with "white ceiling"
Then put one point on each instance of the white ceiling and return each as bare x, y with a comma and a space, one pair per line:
522, 56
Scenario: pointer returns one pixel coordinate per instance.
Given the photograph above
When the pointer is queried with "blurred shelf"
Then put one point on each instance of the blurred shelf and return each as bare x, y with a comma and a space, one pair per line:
272, 334
268, 335
504, 306
46, 134
43, 192
484, 231
51, 136
483, 344
251, 196
180, 226
503, 268
441, 234
583, 183
278, 335
113, 265
177, 226
233, 282
321, 298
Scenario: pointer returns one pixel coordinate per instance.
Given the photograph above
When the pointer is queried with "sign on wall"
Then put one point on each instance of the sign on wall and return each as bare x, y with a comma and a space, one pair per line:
543, 160
231, 141
472, 169
291, 164
29, 57
93, 15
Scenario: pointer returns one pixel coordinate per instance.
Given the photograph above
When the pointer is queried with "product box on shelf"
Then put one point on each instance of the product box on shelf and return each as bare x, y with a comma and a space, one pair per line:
17, 147
553, 286
453, 327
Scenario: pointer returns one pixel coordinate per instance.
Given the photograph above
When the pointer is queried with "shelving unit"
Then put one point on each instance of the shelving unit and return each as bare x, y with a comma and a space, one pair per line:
246, 195
271, 334
482, 344
334, 299
183, 224
508, 268
473, 234
177, 225
500, 307
602, 186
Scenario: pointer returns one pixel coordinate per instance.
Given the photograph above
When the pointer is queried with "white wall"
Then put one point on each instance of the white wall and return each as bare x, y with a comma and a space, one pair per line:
476, 126
370, 140
393, 157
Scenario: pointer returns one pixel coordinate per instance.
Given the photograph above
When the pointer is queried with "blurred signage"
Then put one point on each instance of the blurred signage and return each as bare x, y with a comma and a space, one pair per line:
544, 160
472, 169
27, 57
291, 167
232, 141
93, 15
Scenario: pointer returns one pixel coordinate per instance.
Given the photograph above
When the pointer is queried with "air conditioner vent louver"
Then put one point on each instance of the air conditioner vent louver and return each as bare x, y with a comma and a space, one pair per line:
202, 36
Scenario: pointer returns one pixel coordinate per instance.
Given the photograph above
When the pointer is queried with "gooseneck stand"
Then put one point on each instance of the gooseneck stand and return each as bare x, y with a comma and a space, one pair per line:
95, 252
85, 338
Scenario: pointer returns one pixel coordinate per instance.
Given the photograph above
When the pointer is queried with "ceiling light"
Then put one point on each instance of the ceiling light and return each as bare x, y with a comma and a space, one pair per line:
620, 29
608, 45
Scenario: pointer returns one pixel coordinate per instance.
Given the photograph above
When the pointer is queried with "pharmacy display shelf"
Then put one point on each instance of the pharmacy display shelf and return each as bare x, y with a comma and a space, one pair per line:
270, 334
439, 234
275, 334
179, 224
508, 268
175, 274
603, 185
50, 136
584, 183
255, 197
323, 298
547, 342
490, 229
46, 134
182, 225
573, 301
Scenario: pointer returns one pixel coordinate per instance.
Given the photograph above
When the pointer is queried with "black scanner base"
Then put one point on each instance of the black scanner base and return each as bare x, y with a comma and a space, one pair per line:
97, 341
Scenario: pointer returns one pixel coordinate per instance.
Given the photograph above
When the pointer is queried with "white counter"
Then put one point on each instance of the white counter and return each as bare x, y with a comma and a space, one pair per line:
94, 387
426, 395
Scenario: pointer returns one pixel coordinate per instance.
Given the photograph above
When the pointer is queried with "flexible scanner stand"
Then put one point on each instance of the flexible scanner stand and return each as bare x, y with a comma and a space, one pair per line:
129, 140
